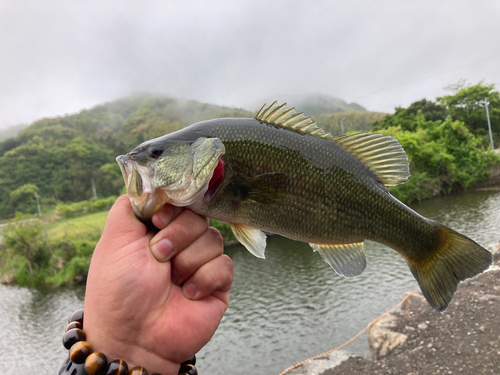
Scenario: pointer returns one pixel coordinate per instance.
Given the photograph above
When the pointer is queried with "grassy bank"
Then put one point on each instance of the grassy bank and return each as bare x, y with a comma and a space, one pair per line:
34, 252
38, 252
78, 228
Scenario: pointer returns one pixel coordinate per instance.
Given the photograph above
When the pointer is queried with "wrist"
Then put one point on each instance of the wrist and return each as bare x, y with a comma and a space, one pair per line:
114, 335
98, 354
133, 354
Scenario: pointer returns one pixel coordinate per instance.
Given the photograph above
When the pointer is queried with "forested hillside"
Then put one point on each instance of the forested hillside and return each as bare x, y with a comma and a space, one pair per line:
359, 121
11, 131
59, 157
316, 104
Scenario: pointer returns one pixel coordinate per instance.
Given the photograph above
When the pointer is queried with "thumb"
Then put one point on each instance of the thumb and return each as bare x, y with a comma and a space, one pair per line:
122, 227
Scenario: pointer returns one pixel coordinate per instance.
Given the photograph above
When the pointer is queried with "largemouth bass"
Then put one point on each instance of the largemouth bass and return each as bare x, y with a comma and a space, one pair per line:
280, 173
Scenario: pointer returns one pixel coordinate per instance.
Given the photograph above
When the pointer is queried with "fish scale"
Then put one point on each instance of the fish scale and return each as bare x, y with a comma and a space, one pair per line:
283, 174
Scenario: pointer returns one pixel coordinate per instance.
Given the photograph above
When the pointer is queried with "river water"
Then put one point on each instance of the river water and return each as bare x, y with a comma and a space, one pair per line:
283, 310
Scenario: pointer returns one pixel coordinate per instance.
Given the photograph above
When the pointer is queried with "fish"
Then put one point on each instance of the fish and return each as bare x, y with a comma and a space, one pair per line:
280, 173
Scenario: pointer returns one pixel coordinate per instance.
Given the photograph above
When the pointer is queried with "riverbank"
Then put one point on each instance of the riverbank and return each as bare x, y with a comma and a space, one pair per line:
418, 340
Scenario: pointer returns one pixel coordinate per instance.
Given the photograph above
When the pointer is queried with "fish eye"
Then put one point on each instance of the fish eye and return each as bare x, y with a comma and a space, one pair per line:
155, 151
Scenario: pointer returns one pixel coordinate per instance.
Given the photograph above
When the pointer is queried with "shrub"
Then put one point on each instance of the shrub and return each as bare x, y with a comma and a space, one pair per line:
82, 207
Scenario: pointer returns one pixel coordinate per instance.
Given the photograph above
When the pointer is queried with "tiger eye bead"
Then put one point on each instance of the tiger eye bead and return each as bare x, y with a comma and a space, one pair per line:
96, 364
73, 325
138, 370
188, 370
71, 337
79, 352
117, 367
77, 316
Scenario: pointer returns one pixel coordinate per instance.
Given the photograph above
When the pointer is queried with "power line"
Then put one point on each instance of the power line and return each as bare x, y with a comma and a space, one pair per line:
426, 77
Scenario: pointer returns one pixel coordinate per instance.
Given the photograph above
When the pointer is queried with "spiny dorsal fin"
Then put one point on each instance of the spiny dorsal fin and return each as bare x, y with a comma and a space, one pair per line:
284, 117
381, 153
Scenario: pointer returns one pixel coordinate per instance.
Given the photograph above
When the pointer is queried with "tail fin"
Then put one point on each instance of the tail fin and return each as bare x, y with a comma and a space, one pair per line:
457, 258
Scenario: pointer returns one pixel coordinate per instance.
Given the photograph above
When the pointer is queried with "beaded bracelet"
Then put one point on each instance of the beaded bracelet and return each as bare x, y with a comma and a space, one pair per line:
83, 360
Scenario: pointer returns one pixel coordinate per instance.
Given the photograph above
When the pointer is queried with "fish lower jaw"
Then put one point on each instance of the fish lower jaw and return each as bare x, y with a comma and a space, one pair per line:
148, 203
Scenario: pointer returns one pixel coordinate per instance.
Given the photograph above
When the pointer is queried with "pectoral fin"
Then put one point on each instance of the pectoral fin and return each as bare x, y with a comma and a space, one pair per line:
253, 239
347, 260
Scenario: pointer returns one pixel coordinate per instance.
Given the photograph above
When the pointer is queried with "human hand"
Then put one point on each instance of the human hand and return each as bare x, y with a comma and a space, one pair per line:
154, 312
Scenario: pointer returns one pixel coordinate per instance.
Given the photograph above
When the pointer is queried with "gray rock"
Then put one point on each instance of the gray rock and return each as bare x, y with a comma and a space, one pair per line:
414, 302
320, 365
382, 339
422, 326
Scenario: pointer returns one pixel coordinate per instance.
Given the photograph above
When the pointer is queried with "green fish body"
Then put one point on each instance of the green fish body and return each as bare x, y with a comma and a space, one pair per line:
282, 174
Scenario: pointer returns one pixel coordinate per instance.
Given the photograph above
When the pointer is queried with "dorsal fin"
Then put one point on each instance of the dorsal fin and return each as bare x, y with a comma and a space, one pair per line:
383, 154
284, 117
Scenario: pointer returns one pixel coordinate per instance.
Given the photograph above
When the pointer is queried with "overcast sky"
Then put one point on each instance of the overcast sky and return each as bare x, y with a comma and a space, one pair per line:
57, 57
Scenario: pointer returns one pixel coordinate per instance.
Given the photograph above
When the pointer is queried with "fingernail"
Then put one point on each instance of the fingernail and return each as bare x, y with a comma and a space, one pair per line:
162, 250
166, 215
189, 290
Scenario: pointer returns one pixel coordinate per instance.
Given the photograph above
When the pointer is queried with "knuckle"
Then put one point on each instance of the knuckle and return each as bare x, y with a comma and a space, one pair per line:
216, 235
208, 281
194, 221
227, 263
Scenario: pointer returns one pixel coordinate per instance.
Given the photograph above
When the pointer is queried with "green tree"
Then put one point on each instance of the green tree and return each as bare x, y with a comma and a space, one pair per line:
25, 237
406, 117
23, 198
443, 156
467, 105
109, 180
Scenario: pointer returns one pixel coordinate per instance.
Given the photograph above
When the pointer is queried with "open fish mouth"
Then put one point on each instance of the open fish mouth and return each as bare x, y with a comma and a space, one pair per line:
186, 185
135, 176
144, 200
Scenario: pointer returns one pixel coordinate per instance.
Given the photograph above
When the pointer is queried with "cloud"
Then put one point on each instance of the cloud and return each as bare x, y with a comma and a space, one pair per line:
59, 57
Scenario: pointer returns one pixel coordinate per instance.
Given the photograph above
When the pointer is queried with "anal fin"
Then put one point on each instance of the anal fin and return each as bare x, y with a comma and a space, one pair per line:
253, 239
347, 260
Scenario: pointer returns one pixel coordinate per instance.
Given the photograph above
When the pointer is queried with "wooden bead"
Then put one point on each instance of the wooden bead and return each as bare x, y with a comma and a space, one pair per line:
77, 316
117, 367
138, 370
190, 361
79, 352
73, 325
71, 337
188, 370
96, 364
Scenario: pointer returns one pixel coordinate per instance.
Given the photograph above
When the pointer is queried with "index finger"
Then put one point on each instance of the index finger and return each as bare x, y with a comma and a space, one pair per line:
182, 232
165, 215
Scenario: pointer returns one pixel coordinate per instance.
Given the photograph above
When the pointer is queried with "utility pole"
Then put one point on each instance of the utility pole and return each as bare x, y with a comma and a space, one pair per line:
38, 204
93, 189
342, 124
489, 123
